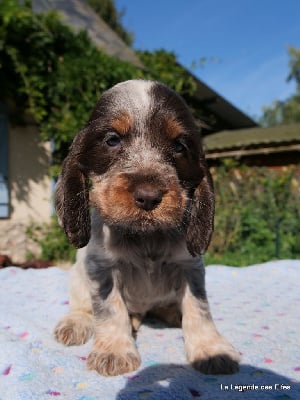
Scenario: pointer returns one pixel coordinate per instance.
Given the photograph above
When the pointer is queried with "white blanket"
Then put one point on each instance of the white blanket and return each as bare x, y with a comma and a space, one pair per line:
256, 308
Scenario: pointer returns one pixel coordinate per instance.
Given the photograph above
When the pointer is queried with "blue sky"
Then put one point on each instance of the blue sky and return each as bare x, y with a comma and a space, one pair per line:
244, 41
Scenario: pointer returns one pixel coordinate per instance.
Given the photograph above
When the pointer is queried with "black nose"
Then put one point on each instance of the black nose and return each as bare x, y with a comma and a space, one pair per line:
147, 197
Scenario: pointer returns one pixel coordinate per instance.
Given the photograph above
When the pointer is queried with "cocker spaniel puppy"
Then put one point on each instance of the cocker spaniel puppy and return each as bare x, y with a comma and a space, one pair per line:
139, 165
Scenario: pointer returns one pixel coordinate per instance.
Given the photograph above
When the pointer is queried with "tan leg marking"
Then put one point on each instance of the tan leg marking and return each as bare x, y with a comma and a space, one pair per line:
114, 351
205, 348
76, 327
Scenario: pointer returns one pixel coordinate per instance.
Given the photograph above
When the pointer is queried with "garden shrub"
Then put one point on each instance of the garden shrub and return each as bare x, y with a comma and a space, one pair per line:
52, 241
257, 219
56, 75
52, 73
257, 215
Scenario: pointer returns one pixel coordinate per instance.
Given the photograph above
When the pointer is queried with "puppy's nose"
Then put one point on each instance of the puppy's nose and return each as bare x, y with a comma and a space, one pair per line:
147, 197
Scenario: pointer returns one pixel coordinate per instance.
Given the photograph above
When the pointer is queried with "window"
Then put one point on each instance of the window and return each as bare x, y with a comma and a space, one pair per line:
4, 194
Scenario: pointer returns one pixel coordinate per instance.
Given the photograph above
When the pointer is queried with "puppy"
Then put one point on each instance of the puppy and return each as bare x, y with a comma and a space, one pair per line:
140, 165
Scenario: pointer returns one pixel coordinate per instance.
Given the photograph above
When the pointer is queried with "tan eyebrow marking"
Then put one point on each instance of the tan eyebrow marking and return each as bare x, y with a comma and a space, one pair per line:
174, 128
122, 124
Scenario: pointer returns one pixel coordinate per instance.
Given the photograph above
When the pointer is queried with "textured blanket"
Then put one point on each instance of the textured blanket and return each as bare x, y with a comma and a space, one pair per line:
257, 308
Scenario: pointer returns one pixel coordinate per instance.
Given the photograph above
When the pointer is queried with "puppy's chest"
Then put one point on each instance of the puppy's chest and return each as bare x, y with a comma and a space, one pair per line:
150, 284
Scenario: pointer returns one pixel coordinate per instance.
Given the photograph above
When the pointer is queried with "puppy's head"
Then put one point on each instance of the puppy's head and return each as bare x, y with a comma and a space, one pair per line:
141, 154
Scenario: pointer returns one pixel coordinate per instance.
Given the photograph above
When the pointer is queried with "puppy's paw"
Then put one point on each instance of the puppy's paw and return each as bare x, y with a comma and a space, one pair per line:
112, 364
216, 358
219, 364
75, 328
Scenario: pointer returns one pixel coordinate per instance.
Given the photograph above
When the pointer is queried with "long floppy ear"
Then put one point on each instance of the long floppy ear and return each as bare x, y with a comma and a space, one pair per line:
201, 214
72, 201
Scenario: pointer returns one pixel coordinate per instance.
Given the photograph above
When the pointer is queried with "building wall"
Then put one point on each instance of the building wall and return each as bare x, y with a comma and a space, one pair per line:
29, 190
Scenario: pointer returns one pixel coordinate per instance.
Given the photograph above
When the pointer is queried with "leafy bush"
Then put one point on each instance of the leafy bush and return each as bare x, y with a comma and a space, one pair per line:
57, 75
53, 73
52, 241
257, 219
257, 215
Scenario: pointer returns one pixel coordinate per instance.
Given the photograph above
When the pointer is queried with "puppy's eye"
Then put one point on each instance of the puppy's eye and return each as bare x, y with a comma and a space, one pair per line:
112, 140
178, 146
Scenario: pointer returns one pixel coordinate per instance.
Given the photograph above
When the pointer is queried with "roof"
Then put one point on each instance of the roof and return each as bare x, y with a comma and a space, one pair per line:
253, 141
81, 16
230, 117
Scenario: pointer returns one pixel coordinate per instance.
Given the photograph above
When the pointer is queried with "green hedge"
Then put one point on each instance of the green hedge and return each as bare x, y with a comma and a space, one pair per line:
257, 219
257, 215
52, 242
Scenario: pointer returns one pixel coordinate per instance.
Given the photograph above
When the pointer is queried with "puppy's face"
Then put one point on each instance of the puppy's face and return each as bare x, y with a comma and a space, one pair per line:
142, 156
142, 152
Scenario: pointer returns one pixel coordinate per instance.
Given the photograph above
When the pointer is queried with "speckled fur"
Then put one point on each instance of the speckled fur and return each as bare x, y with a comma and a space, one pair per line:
135, 261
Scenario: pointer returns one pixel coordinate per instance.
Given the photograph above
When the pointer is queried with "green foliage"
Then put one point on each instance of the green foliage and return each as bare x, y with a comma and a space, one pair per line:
257, 215
109, 13
53, 73
257, 218
52, 241
287, 111
57, 75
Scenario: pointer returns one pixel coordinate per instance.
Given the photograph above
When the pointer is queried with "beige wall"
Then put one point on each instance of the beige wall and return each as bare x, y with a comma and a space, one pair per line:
30, 190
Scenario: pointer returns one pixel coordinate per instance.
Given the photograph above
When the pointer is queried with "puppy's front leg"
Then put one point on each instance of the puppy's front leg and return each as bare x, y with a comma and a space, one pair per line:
114, 351
206, 349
